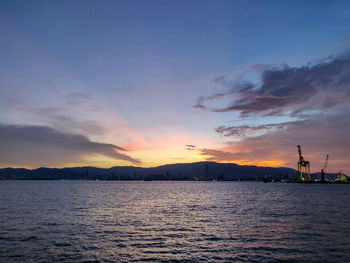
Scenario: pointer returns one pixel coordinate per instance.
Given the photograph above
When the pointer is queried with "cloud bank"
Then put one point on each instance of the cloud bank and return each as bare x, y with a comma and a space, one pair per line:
317, 136
41, 145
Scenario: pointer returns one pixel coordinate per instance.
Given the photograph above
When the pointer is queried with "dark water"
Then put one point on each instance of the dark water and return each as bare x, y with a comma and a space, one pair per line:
67, 221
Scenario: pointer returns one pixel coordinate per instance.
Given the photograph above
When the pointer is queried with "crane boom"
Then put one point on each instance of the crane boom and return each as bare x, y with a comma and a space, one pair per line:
325, 164
301, 158
323, 171
299, 150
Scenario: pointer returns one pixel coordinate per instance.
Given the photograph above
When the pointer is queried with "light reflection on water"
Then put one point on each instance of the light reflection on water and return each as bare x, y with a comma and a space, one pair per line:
77, 221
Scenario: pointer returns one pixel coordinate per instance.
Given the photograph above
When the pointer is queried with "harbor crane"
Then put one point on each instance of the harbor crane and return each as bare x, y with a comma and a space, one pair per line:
306, 165
323, 171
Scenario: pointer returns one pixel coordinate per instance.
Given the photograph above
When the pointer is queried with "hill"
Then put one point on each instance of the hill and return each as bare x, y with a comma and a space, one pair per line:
180, 171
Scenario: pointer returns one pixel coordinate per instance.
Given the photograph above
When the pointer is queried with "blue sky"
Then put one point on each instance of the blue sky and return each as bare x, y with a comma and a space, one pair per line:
128, 73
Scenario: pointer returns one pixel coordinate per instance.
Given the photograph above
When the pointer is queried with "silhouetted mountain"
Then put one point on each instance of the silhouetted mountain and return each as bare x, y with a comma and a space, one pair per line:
203, 171
180, 171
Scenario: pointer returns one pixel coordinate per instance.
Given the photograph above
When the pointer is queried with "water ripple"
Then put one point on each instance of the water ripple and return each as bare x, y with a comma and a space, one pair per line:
53, 221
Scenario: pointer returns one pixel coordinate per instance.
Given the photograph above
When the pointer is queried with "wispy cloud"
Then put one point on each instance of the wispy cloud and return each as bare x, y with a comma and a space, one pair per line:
59, 118
202, 99
248, 131
190, 147
40, 145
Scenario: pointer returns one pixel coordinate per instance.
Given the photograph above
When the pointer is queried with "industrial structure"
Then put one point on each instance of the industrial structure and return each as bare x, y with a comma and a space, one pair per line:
323, 171
306, 164
342, 178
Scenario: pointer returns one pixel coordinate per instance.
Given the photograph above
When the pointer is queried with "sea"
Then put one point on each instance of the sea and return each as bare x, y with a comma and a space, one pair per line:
168, 221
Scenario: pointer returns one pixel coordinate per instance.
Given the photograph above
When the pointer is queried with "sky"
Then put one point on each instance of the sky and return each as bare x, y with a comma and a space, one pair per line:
147, 83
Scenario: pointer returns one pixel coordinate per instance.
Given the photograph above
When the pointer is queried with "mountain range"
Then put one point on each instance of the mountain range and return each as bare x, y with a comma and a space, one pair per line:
203, 171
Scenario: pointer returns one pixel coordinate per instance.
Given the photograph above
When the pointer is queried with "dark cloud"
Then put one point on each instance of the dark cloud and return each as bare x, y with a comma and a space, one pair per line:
315, 86
190, 147
202, 99
246, 130
40, 145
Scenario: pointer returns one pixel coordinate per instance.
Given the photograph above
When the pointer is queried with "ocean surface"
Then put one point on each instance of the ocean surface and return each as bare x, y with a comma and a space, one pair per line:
112, 221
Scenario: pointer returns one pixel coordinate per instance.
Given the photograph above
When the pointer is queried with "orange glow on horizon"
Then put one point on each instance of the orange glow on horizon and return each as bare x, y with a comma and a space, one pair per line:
270, 163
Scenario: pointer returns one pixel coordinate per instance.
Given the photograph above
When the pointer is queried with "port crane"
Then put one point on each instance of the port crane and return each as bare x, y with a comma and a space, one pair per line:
323, 171
306, 165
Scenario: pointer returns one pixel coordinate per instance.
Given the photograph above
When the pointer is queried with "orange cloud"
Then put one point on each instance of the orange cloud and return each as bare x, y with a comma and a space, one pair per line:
318, 137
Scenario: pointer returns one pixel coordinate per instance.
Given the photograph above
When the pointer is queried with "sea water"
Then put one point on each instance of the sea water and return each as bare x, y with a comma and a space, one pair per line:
115, 221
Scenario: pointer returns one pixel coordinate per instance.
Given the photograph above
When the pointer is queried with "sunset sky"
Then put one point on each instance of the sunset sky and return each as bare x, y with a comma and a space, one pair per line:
146, 83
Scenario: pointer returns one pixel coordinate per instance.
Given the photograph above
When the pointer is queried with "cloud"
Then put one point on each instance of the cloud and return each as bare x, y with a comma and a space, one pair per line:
248, 131
41, 145
190, 147
306, 105
220, 155
317, 136
60, 120
315, 86
202, 99
75, 112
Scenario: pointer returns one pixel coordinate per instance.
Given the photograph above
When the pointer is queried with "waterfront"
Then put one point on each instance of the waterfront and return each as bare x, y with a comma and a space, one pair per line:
114, 221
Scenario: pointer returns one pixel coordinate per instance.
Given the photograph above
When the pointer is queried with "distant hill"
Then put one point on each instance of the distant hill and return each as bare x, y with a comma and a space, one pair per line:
181, 171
